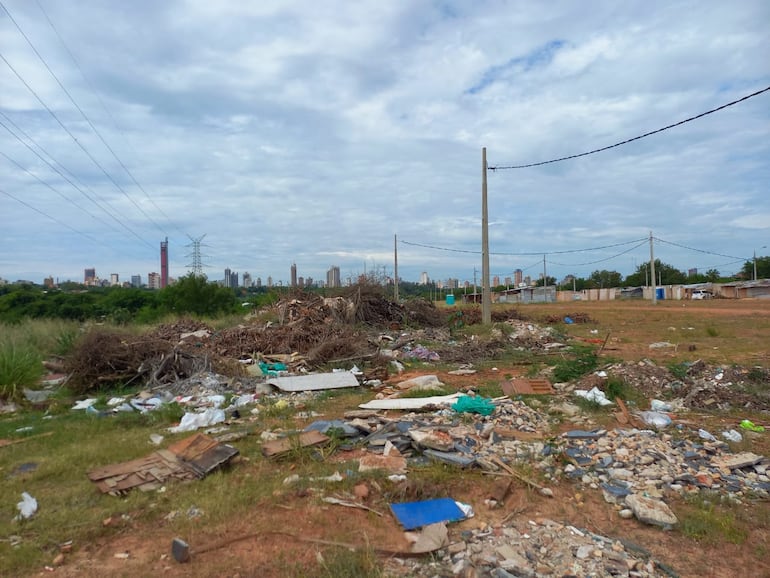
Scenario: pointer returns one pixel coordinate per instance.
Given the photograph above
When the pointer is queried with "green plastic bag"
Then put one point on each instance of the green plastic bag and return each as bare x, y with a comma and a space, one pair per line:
468, 404
749, 425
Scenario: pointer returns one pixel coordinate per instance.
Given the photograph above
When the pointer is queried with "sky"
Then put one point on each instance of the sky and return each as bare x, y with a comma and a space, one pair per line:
330, 133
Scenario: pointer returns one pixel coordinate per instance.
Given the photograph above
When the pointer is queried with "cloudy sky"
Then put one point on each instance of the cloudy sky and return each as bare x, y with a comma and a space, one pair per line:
313, 132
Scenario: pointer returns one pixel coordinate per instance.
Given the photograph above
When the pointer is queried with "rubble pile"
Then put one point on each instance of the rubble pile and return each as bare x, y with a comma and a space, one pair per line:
623, 462
528, 335
530, 548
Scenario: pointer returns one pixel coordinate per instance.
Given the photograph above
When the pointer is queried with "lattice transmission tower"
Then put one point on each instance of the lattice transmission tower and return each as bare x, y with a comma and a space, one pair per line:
197, 265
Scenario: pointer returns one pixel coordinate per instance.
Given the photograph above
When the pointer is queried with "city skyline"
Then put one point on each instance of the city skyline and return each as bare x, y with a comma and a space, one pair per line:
282, 133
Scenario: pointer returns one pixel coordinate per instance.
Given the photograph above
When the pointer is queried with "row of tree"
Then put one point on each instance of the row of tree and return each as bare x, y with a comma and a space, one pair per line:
664, 275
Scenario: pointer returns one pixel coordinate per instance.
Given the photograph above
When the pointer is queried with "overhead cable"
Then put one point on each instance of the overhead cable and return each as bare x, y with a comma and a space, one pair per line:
88, 120
644, 239
701, 250
681, 122
72, 136
63, 176
104, 106
644, 242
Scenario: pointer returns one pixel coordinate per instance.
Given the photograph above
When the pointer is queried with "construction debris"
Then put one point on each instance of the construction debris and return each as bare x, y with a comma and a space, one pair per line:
188, 459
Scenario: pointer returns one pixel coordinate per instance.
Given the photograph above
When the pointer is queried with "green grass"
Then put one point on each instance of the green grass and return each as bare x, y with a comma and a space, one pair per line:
581, 360
20, 367
709, 522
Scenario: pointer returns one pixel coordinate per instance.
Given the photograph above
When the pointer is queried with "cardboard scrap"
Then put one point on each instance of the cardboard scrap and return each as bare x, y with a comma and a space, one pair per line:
284, 445
188, 459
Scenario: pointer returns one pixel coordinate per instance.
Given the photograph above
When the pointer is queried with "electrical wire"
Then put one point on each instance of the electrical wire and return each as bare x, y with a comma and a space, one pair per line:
700, 250
63, 176
62, 223
681, 122
85, 117
55, 190
104, 106
644, 240
72, 136
599, 260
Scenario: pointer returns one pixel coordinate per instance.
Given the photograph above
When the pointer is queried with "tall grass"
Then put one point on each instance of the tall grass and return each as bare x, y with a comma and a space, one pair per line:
20, 367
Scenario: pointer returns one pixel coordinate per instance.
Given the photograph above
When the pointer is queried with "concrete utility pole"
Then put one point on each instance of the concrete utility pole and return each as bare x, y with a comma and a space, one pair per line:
652, 274
395, 267
486, 298
545, 283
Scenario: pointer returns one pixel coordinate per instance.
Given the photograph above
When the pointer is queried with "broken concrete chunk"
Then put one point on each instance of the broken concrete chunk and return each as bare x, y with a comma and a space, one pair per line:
651, 511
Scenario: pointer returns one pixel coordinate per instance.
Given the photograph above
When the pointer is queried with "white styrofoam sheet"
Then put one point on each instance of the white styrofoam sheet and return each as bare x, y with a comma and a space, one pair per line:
314, 381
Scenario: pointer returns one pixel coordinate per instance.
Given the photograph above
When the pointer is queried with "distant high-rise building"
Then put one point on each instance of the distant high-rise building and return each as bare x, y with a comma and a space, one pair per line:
496, 281
692, 272
293, 274
89, 277
259, 282
153, 280
269, 280
231, 279
136, 280
308, 281
114, 279
246, 279
507, 281
48, 283
424, 279
527, 280
517, 277
301, 282
164, 263
333, 277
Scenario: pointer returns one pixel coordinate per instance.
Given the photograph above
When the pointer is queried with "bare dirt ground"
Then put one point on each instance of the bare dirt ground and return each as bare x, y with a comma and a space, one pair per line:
285, 536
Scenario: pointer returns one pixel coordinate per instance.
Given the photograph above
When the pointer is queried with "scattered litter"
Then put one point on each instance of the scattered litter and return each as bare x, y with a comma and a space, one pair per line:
431, 538
656, 419
27, 507
349, 504
703, 434
413, 515
749, 425
658, 405
85, 403
412, 403
188, 459
662, 345
595, 394
474, 404
193, 421
732, 436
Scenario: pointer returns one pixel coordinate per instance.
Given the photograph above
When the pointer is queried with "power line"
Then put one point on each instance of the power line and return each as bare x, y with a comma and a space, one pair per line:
63, 224
681, 122
104, 106
644, 239
702, 250
599, 260
88, 120
63, 176
55, 190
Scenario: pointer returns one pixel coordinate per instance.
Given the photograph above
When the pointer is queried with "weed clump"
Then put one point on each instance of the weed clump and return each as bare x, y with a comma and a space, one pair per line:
584, 361
20, 367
